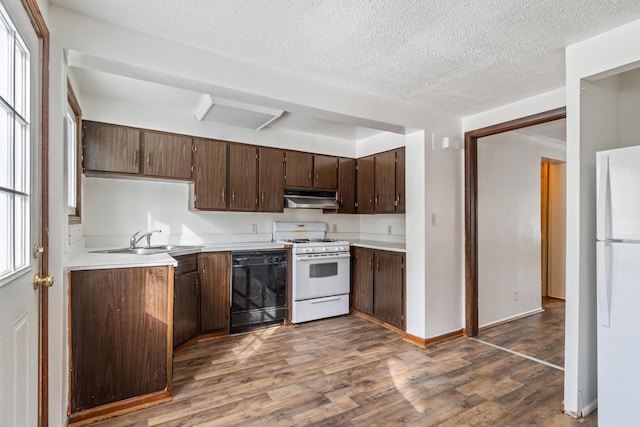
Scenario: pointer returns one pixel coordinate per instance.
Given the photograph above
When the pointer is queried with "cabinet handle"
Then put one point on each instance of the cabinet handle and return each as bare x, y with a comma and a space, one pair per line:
317, 176
398, 200
371, 201
309, 175
203, 273
371, 263
262, 198
233, 196
378, 266
135, 157
149, 159
376, 200
223, 199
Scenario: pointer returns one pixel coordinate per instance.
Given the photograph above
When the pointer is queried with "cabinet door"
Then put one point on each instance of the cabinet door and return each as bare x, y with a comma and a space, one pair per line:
299, 170
243, 177
119, 334
363, 280
210, 173
166, 155
111, 148
400, 193
389, 288
385, 179
185, 307
365, 182
214, 291
270, 180
347, 185
325, 172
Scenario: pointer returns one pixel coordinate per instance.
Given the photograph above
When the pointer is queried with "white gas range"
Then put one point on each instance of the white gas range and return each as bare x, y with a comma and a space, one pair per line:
320, 270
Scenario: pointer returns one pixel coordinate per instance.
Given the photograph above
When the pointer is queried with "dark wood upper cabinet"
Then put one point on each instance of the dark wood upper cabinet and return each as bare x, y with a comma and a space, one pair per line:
166, 155
362, 280
270, 179
110, 148
120, 336
400, 181
243, 177
325, 172
347, 185
210, 174
385, 182
215, 277
299, 170
365, 184
185, 299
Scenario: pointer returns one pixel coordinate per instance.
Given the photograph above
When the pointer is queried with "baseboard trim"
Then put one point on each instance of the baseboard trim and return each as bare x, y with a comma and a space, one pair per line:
372, 319
424, 342
90, 416
511, 318
589, 408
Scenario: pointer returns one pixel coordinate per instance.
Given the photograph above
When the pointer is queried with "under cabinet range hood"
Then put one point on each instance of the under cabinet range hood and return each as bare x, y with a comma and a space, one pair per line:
310, 199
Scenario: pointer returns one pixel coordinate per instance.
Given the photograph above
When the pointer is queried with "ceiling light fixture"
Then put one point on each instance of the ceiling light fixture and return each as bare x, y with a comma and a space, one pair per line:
234, 113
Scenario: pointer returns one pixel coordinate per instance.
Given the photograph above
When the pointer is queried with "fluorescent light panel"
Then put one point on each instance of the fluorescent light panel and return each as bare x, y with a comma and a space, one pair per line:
235, 113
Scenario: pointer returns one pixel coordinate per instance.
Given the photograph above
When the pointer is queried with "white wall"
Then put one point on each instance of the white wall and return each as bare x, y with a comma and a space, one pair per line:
509, 225
593, 122
114, 209
526, 107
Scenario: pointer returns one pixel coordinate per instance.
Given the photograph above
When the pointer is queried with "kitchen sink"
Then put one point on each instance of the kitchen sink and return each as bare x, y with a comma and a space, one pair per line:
148, 250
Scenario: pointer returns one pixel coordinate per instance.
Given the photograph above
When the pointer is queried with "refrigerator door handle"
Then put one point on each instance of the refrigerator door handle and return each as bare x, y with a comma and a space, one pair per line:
604, 282
603, 222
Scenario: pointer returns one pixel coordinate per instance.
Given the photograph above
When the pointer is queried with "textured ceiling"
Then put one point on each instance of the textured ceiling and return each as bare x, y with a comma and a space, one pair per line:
459, 57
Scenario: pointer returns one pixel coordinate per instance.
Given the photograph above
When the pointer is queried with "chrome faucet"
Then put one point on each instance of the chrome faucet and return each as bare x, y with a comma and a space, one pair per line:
133, 240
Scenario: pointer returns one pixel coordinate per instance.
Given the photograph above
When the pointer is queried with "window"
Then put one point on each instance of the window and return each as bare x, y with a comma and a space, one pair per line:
15, 186
73, 133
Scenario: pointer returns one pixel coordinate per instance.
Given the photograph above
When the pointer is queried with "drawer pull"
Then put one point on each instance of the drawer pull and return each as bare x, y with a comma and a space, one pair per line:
326, 300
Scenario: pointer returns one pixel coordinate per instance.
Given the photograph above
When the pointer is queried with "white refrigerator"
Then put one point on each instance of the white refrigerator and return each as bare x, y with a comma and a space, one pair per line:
618, 285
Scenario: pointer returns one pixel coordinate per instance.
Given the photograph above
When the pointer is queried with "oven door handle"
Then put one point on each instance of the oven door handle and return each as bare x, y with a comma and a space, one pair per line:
321, 257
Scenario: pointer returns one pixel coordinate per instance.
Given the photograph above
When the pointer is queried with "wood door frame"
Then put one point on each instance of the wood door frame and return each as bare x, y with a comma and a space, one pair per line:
42, 31
471, 204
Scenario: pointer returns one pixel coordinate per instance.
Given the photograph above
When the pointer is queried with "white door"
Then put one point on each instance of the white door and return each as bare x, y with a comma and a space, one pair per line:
19, 215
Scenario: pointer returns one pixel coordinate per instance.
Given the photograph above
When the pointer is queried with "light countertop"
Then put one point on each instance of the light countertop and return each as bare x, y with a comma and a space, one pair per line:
380, 245
88, 260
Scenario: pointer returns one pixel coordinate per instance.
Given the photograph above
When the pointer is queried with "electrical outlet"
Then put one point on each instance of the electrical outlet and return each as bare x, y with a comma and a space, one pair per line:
515, 295
334, 228
254, 228
433, 219
388, 229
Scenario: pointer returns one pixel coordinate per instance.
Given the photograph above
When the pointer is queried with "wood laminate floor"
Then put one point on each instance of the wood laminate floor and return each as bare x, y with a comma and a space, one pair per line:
540, 335
347, 371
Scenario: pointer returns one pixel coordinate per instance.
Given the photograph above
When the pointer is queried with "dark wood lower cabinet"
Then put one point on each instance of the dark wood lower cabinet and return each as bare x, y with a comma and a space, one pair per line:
185, 299
378, 287
388, 288
120, 335
362, 289
215, 287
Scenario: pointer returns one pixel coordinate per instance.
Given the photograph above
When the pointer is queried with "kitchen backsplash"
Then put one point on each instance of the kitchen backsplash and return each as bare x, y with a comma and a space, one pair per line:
114, 209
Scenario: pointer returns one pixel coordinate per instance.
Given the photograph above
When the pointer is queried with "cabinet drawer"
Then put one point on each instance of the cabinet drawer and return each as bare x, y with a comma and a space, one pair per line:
186, 263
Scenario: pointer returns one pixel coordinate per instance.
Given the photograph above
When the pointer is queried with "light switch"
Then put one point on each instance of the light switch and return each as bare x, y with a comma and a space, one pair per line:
433, 219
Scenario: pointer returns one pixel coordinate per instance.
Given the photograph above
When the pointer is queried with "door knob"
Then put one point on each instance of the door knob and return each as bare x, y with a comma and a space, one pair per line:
44, 281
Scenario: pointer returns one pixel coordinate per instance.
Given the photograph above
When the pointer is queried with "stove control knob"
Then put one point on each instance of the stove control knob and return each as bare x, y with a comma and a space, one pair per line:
308, 250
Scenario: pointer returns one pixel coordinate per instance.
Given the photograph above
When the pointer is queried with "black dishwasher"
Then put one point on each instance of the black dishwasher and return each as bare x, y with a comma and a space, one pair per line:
258, 289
